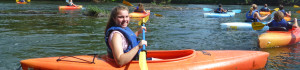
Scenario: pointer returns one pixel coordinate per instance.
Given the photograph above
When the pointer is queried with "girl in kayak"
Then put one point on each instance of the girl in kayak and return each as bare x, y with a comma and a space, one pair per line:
265, 8
70, 3
280, 24
123, 44
253, 14
283, 11
220, 9
140, 8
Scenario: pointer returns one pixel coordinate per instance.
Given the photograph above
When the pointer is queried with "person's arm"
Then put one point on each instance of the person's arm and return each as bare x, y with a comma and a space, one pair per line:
288, 13
295, 23
137, 33
256, 14
120, 57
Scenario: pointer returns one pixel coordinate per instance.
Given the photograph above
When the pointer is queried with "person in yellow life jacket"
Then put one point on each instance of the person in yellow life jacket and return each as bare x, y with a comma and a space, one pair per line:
70, 3
140, 8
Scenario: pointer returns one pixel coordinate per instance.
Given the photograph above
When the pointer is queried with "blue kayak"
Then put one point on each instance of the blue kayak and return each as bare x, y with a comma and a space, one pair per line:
231, 26
217, 15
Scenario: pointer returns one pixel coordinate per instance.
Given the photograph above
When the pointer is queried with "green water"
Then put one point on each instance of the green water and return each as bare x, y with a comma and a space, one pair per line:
25, 36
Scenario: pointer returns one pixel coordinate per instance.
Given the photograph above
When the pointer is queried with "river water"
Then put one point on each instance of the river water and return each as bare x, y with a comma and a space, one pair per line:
25, 36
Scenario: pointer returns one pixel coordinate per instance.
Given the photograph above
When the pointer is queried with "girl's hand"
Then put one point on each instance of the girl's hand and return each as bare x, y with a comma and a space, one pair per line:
143, 42
141, 29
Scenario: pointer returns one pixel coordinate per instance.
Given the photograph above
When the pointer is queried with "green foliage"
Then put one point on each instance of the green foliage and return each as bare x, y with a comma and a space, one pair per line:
94, 11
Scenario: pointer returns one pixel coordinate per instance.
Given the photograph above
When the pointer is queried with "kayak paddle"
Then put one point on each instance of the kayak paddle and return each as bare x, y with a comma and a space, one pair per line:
207, 9
129, 4
142, 55
28, 0
296, 6
276, 9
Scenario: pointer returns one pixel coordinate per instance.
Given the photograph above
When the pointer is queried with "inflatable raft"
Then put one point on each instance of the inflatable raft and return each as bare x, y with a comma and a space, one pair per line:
232, 26
279, 38
70, 7
171, 60
139, 14
217, 15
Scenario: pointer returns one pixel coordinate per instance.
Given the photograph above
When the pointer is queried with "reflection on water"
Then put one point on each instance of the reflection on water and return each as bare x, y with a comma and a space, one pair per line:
24, 36
286, 57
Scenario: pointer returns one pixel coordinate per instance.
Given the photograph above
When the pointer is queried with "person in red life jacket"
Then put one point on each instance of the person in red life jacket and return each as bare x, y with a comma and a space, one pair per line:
283, 11
253, 14
265, 8
123, 44
279, 24
220, 9
140, 8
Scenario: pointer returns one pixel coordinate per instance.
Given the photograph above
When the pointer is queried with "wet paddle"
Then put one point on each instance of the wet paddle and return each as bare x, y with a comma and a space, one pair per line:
276, 9
142, 55
28, 0
129, 4
296, 6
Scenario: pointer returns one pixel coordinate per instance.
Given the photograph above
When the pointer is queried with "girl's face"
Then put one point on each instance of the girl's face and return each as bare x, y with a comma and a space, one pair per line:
122, 19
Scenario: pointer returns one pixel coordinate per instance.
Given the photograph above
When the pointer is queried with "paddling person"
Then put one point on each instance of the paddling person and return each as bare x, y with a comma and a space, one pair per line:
70, 3
140, 8
280, 24
283, 11
253, 14
220, 9
22, 1
123, 44
265, 8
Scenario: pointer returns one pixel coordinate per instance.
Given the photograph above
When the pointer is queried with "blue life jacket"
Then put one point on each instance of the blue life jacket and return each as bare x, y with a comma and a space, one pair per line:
265, 9
130, 36
283, 11
250, 18
219, 10
277, 26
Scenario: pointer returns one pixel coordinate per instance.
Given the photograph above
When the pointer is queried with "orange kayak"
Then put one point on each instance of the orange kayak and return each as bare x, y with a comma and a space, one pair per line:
264, 13
279, 38
22, 2
139, 14
287, 18
70, 7
171, 60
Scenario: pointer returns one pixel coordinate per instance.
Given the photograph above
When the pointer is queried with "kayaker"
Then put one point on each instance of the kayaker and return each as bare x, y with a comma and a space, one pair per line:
283, 11
265, 8
123, 44
220, 9
280, 24
70, 3
253, 15
22, 1
140, 8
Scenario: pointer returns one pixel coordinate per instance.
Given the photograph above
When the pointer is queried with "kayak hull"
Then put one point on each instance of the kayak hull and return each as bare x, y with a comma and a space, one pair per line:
21, 2
139, 14
279, 38
70, 7
219, 15
232, 26
287, 18
264, 13
171, 60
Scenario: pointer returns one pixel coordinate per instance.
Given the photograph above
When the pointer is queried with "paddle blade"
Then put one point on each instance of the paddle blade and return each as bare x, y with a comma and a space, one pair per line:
237, 11
158, 15
276, 9
296, 6
257, 25
142, 61
127, 3
207, 9
17, 0
144, 20
28, 0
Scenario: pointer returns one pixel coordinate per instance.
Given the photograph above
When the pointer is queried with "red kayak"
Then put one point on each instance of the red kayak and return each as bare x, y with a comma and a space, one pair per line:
170, 60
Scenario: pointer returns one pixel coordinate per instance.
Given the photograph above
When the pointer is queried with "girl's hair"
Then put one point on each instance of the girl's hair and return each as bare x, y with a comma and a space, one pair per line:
278, 16
253, 7
113, 15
